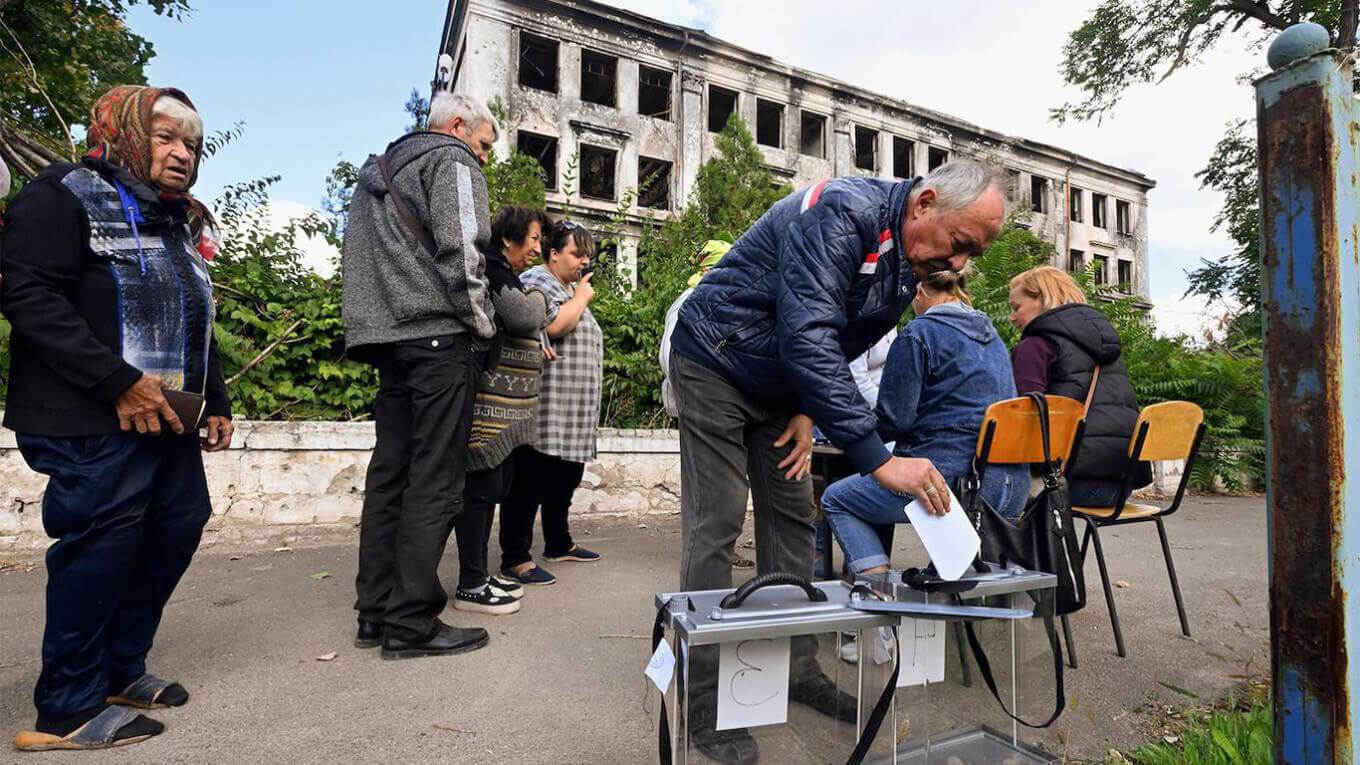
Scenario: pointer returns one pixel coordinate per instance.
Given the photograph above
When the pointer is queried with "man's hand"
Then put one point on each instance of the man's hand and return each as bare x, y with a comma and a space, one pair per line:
143, 405
917, 477
219, 433
799, 461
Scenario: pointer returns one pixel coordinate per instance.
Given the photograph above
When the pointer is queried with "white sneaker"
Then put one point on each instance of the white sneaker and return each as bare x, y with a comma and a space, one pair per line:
849, 650
489, 601
511, 589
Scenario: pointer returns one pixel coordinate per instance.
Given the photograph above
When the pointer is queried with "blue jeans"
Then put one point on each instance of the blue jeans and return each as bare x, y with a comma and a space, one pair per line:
127, 512
856, 504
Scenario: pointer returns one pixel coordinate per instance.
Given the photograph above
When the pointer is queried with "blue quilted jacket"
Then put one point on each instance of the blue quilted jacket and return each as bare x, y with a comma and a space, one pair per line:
815, 282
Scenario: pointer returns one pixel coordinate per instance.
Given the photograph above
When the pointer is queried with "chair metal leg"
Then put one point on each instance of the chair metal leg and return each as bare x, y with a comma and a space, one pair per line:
1086, 539
1109, 593
827, 546
1071, 646
1175, 583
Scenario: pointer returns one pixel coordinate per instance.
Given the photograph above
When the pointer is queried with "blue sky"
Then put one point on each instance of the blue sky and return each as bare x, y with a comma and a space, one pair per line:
316, 81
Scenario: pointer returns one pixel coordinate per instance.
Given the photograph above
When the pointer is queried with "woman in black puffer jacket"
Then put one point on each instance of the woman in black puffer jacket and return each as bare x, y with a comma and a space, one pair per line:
1064, 341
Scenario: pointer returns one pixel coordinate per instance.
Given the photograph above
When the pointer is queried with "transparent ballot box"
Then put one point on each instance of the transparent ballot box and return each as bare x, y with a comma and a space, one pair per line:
944, 711
759, 675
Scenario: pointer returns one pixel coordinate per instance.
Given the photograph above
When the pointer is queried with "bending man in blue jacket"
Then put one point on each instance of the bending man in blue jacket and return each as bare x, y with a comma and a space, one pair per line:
761, 350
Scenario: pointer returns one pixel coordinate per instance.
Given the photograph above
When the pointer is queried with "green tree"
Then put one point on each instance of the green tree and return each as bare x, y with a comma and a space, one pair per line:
56, 58
1129, 42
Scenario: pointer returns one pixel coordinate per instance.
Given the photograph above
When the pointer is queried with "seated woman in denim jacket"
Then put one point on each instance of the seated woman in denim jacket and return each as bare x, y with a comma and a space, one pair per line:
946, 367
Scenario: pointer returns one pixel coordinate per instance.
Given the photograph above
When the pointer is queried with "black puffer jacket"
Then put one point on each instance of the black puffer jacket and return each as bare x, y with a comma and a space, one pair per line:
1085, 338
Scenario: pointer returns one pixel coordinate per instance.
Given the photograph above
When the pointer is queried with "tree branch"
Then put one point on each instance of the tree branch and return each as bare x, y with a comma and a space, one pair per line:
268, 350
1248, 9
26, 64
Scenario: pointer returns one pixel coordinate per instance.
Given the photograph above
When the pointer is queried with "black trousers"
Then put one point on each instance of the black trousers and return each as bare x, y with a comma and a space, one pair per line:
472, 529
127, 512
543, 481
414, 488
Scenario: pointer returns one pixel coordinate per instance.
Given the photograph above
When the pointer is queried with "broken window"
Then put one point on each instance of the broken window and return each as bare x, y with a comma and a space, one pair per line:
1122, 217
597, 172
1102, 263
598, 81
721, 103
866, 149
769, 123
1126, 275
1038, 193
542, 148
1074, 204
1098, 211
904, 157
812, 135
1076, 262
654, 183
936, 157
654, 93
537, 62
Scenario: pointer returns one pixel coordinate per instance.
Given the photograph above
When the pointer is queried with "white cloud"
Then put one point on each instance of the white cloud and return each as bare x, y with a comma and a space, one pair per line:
1193, 316
995, 62
317, 253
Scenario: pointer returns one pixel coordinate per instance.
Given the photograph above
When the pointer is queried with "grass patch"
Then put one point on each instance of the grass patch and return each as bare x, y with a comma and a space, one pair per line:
1235, 733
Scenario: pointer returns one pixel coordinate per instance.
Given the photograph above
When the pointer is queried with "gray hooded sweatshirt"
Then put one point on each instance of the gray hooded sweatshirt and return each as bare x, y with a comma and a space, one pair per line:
395, 289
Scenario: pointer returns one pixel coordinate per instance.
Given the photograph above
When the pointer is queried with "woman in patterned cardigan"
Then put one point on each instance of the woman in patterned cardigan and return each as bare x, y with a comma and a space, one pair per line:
569, 412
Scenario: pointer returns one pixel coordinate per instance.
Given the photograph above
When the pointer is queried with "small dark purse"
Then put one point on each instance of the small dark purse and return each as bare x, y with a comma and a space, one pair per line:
1043, 538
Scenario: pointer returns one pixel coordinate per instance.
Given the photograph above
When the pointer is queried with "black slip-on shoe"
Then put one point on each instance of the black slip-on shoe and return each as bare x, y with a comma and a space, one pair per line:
817, 691
729, 747
369, 635
577, 553
534, 575
447, 640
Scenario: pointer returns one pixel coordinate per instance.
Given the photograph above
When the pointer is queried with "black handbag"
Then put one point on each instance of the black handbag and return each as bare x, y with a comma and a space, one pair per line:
1043, 538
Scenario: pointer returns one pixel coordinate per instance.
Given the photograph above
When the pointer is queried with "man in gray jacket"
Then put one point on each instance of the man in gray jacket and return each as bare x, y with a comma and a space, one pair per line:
416, 305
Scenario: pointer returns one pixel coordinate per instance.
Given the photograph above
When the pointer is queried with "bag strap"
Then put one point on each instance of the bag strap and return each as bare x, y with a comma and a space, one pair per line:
422, 235
663, 728
985, 668
1091, 393
880, 711
1041, 404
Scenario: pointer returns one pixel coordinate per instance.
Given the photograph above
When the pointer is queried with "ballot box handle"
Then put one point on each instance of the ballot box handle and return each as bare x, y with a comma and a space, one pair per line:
739, 596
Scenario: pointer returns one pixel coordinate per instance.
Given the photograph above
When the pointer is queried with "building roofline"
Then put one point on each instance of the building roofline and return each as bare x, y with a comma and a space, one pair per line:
686, 37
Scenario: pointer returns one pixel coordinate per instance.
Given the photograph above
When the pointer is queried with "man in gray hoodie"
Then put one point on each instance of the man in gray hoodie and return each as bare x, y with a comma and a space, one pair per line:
416, 305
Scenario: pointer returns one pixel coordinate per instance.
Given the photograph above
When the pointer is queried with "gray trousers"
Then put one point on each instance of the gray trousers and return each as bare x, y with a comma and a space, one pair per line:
727, 448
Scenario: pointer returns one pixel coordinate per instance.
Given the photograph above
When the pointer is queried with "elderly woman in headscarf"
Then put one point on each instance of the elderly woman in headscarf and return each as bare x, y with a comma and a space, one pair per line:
113, 368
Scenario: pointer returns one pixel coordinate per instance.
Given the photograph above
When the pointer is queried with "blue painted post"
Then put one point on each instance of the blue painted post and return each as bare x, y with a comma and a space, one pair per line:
1311, 292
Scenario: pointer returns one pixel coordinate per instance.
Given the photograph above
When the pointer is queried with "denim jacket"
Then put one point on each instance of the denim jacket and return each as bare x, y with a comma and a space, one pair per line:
946, 367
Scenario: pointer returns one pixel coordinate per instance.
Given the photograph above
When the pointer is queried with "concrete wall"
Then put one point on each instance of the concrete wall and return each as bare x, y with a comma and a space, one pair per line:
283, 478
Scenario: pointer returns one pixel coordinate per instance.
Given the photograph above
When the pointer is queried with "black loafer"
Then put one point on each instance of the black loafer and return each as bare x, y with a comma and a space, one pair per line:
729, 747
447, 640
369, 635
817, 691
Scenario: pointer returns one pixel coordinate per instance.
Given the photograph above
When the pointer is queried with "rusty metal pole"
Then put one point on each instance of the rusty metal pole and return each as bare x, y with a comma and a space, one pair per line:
1311, 304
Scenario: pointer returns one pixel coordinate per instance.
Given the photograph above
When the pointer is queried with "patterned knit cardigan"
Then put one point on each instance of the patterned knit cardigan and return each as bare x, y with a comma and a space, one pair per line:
505, 411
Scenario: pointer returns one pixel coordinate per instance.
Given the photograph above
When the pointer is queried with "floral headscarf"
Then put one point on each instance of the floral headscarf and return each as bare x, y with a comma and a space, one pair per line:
120, 132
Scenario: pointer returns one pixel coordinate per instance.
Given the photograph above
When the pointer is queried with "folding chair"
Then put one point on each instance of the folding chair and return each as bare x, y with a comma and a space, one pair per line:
1010, 435
1168, 431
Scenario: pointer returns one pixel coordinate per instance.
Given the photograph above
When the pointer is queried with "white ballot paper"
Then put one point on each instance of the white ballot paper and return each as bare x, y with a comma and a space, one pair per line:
950, 539
661, 667
753, 683
922, 642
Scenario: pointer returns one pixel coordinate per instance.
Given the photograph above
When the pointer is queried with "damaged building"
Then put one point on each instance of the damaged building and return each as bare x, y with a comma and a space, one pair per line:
608, 101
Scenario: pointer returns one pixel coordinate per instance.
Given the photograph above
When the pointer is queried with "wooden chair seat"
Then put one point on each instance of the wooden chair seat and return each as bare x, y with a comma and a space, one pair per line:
1131, 510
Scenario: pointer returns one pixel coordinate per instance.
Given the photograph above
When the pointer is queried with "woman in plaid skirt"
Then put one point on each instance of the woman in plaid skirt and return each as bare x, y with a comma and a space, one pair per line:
568, 416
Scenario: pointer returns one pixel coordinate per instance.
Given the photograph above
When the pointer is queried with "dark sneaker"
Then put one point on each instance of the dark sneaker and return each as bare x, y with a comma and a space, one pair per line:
447, 640
533, 575
513, 589
729, 747
818, 692
369, 635
577, 552
489, 601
